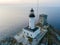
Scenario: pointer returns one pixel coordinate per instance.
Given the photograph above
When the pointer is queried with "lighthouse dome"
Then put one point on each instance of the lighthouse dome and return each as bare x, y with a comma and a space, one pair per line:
32, 13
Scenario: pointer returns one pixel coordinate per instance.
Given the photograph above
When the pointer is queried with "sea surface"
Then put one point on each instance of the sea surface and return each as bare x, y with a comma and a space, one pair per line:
14, 17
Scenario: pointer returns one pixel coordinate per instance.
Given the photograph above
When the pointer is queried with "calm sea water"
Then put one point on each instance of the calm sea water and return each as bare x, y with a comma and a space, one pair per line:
14, 18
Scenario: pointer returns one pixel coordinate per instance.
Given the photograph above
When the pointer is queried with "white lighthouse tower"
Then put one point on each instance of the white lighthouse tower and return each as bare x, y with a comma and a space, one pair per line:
32, 20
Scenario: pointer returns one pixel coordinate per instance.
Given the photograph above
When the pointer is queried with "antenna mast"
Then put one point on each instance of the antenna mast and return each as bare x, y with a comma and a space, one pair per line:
37, 7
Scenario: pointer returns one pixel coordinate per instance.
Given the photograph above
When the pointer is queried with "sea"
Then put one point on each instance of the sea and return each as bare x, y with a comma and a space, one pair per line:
15, 17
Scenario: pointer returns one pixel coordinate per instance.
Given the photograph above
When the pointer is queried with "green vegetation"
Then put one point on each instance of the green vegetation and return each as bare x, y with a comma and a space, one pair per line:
3, 41
30, 39
13, 41
39, 24
52, 28
49, 36
20, 43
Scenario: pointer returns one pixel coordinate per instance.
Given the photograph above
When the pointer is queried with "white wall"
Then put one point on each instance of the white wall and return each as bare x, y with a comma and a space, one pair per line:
34, 34
32, 22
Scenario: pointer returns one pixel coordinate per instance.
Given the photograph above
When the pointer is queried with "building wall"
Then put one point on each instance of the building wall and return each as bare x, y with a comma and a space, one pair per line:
43, 20
36, 32
31, 34
32, 22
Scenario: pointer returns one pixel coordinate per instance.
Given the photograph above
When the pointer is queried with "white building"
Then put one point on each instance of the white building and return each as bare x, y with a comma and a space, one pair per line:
31, 31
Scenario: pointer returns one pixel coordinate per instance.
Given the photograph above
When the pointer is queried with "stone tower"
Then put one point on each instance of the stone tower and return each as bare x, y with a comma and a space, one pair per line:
43, 19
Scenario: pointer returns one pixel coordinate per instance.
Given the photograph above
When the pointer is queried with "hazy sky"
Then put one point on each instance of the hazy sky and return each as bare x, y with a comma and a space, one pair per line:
42, 2
50, 2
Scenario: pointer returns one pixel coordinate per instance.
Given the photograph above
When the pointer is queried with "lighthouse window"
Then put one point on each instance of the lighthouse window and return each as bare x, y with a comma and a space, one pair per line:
31, 35
24, 32
27, 33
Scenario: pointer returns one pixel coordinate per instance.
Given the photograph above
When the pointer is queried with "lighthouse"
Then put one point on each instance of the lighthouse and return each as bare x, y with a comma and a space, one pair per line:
32, 19
31, 30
